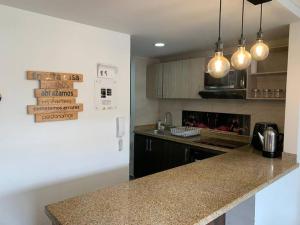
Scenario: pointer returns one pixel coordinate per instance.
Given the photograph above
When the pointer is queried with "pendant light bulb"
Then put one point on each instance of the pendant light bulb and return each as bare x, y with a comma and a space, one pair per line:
260, 51
241, 59
218, 66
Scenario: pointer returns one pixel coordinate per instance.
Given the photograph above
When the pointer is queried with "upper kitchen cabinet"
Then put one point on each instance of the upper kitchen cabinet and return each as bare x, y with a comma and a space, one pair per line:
183, 79
180, 79
154, 81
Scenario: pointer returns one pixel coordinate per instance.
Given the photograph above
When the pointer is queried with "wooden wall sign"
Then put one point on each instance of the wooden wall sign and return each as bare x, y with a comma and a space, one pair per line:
56, 96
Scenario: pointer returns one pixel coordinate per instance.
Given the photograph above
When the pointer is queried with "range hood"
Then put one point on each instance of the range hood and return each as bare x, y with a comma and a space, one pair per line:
224, 94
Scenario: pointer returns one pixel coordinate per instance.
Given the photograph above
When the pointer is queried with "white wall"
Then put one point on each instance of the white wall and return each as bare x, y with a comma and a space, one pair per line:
143, 105
44, 163
243, 214
280, 203
140, 104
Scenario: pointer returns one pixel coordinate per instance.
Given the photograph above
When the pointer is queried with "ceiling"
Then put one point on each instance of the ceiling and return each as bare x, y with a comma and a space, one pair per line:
182, 25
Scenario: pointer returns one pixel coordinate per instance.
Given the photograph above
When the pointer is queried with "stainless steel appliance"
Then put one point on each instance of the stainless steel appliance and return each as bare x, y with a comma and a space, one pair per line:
260, 127
270, 140
232, 86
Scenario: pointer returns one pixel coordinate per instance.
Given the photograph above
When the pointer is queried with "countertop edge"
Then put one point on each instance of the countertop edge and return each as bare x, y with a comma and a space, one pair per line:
219, 212
51, 217
245, 197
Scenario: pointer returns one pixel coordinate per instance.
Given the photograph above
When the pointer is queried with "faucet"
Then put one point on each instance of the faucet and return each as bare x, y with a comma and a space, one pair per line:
168, 119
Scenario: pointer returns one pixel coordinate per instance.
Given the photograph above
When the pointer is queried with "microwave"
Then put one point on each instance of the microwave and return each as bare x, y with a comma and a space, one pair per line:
231, 86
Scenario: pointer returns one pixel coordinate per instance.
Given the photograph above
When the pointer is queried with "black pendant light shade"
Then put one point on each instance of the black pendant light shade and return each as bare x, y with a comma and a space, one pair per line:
258, 2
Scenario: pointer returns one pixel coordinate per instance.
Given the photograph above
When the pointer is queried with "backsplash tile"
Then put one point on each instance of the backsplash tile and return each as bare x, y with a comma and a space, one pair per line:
236, 123
260, 111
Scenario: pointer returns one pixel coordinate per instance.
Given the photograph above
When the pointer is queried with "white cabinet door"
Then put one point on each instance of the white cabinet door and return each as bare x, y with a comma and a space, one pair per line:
154, 81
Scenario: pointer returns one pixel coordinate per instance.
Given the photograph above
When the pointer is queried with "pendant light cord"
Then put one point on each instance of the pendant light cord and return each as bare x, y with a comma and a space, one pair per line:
261, 14
243, 11
219, 44
220, 13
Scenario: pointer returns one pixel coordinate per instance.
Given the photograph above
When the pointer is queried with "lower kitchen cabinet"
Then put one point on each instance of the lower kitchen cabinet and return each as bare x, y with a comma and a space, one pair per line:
152, 155
148, 155
219, 221
176, 154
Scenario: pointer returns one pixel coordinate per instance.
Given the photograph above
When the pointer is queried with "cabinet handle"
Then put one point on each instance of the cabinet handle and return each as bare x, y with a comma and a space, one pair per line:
147, 145
186, 155
150, 145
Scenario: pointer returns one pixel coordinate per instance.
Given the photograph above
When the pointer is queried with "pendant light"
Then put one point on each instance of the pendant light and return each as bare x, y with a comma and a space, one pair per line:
260, 50
241, 59
219, 66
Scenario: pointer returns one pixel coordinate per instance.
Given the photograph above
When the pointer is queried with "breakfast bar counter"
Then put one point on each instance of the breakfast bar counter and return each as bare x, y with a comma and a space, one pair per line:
193, 194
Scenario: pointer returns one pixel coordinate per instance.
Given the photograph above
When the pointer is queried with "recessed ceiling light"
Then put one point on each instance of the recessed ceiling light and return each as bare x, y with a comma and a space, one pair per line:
159, 44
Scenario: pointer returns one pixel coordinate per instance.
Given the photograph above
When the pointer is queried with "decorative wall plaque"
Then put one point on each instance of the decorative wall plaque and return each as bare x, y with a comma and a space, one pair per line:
56, 97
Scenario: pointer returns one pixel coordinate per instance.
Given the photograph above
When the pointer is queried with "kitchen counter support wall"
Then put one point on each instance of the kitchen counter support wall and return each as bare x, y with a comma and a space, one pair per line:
279, 203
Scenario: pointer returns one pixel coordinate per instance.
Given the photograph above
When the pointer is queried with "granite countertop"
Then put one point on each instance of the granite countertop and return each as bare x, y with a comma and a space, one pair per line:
194, 194
194, 141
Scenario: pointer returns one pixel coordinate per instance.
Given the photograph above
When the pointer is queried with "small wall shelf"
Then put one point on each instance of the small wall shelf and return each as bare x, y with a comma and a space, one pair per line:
269, 74
266, 99
275, 73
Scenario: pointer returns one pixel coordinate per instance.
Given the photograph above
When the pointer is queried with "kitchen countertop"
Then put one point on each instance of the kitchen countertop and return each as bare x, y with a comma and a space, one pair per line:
194, 194
194, 141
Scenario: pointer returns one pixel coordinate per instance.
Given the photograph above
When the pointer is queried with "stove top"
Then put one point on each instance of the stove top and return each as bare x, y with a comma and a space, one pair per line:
221, 143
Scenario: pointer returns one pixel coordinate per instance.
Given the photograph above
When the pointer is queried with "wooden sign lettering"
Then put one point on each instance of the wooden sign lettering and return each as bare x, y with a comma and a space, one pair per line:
51, 76
56, 116
57, 84
40, 93
33, 109
56, 101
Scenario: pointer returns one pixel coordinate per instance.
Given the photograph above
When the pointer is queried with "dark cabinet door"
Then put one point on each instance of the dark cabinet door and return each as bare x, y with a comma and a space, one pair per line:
155, 155
176, 154
148, 155
219, 221
141, 144
152, 155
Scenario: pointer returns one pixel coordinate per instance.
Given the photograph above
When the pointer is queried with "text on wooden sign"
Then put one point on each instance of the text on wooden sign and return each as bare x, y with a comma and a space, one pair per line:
56, 84
39, 93
36, 109
56, 116
51, 76
56, 101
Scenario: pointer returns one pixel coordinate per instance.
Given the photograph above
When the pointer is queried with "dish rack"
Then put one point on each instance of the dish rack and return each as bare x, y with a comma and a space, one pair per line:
185, 131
